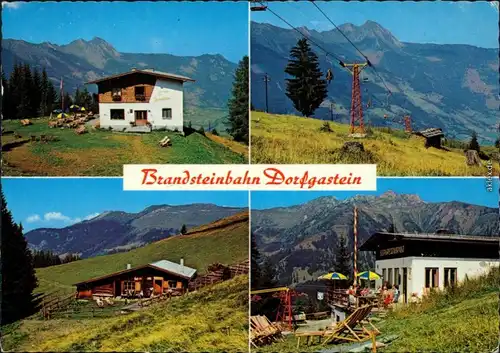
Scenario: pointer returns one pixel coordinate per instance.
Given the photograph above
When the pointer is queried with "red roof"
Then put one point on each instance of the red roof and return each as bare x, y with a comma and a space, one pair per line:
151, 72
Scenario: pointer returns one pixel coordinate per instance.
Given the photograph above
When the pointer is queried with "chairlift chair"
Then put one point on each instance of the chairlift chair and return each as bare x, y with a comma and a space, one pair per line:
329, 75
258, 6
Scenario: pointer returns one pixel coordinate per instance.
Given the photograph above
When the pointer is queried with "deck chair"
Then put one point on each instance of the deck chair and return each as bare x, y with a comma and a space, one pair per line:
353, 329
263, 331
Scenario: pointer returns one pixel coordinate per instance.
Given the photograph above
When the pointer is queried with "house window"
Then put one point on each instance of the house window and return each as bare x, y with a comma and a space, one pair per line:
140, 93
431, 277
389, 276
117, 114
166, 113
396, 277
384, 271
450, 277
172, 284
128, 285
117, 94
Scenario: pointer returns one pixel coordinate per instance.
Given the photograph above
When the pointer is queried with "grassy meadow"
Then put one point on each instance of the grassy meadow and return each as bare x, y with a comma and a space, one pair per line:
214, 319
287, 139
103, 153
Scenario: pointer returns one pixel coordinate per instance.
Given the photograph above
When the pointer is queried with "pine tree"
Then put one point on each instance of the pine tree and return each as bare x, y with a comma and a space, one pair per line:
473, 143
95, 103
238, 104
183, 229
53, 98
68, 101
15, 82
44, 91
342, 257
36, 94
24, 108
307, 90
6, 98
254, 264
86, 99
268, 274
18, 275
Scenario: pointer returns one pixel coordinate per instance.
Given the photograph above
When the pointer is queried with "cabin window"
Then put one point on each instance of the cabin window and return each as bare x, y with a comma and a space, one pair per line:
140, 93
172, 284
117, 94
166, 113
431, 277
128, 285
117, 114
450, 277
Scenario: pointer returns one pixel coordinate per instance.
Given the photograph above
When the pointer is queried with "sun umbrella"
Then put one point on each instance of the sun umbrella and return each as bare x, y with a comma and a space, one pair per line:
369, 275
74, 106
62, 115
83, 109
333, 276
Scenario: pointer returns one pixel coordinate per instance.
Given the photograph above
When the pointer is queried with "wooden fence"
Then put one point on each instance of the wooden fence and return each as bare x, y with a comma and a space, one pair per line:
55, 304
223, 274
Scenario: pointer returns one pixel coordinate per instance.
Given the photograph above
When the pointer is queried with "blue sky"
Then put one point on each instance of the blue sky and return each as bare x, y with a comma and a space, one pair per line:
59, 202
179, 28
439, 22
469, 190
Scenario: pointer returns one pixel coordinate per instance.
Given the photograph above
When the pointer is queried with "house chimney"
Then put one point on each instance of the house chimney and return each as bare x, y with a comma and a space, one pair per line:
182, 262
133, 69
129, 266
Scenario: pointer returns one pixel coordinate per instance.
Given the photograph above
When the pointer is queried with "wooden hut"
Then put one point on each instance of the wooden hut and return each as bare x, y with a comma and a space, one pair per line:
151, 279
432, 136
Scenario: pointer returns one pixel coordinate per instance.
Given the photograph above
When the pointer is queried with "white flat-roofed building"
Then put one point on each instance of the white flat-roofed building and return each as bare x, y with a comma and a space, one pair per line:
419, 262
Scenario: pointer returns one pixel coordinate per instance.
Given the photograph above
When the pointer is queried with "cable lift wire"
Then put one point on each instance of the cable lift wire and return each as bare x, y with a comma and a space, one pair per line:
355, 47
340, 61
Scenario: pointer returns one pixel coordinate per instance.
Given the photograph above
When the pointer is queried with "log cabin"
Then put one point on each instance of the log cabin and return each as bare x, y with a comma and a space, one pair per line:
152, 279
142, 99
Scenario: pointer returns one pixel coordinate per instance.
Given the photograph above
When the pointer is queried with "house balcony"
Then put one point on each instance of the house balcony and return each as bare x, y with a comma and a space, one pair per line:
117, 98
140, 97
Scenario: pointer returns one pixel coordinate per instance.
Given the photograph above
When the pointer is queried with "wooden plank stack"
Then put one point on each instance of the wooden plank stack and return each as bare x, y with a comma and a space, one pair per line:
263, 331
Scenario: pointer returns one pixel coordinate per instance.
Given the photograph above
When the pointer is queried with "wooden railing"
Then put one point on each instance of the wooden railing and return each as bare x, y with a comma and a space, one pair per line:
48, 307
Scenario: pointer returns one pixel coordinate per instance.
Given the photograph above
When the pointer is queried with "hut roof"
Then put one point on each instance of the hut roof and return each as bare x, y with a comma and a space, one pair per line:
163, 265
432, 132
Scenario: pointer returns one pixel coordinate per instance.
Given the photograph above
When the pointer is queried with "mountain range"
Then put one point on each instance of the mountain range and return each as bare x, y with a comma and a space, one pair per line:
116, 231
300, 241
450, 86
81, 61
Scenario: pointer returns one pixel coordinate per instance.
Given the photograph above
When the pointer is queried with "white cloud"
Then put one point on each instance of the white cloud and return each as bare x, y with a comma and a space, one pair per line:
90, 216
59, 217
11, 5
33, 218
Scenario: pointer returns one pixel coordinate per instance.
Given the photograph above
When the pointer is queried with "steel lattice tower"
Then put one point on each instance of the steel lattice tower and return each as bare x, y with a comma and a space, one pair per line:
357, 124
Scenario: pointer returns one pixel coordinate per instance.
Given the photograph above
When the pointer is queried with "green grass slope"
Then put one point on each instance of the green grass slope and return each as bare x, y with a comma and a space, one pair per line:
286, 139
224, 241
464, 319
103, 153
214, 319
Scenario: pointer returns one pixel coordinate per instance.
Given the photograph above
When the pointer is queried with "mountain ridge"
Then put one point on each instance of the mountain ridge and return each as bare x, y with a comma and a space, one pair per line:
81, 61
113, 231
449, 86
300, 240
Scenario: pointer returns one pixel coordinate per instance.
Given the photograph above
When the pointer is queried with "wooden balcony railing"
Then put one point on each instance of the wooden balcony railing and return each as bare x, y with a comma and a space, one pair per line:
140, 97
